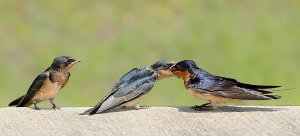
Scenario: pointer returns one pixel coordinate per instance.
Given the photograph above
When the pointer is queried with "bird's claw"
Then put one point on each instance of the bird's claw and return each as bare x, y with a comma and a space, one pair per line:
202, 108
145, 107
54, 107
37, 108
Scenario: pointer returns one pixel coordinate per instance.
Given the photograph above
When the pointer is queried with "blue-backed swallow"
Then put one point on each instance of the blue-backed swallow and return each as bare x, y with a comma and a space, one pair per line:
132, 86
216, 89
47, 84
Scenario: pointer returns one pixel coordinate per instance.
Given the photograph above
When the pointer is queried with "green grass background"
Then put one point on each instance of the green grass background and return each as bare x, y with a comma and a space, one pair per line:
253, 41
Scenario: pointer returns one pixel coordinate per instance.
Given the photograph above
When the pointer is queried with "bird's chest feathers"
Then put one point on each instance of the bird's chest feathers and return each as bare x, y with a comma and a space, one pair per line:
210, 97
48, 90
51, 86
185, 75
59, 77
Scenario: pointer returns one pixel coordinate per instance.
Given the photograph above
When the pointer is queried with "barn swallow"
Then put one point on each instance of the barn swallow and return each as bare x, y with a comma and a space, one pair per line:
217, 89
132, 86
47, 84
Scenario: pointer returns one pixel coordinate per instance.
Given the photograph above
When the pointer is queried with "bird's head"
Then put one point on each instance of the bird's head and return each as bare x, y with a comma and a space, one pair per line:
163, 68
64, 63
184, 69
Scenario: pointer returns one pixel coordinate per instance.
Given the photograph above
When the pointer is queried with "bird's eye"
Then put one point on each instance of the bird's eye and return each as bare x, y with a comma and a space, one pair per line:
69, 61
166, 67
66, 64
180, 68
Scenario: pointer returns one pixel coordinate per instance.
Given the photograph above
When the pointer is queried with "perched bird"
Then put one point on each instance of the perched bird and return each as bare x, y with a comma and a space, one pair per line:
216, 89
132, 86
47, 84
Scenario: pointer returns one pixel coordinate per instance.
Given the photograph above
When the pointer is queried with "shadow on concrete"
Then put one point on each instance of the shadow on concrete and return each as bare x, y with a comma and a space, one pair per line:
232, 109
121, 109
218, 109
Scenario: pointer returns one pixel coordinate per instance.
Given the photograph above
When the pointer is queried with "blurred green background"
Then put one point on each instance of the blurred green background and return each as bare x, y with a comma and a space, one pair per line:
253, 41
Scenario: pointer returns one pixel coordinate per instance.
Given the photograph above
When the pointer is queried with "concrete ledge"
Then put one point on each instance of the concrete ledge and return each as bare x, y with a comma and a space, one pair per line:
227, 120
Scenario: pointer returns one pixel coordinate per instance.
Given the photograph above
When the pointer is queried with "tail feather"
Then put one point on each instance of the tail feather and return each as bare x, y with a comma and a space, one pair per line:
86, 112
260, 88
265, 95
273, 96
16, 102
250, 86
264, 91
94, 111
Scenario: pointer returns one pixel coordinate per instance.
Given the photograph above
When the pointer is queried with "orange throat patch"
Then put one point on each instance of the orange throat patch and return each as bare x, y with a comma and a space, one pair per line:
185, 75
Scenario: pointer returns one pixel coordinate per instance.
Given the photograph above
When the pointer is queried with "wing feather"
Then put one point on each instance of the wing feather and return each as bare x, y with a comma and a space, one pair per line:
132, 85
34, 88
227, 87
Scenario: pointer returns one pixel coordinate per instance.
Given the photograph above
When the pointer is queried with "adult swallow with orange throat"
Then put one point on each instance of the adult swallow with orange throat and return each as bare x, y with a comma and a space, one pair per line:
216, 89
47, 84
132, 86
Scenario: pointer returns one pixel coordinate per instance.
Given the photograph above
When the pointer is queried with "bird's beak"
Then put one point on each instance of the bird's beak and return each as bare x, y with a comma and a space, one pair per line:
172, 68
76, 61
173, 63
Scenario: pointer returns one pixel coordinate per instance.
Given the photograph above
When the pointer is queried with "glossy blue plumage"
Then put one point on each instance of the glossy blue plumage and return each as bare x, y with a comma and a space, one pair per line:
135, 83
201, 81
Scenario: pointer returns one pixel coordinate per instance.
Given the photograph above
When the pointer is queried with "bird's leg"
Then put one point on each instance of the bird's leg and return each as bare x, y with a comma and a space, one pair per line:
204, 107
123, 107
145, 107
35, 107
54, 107
131, 105
136, 106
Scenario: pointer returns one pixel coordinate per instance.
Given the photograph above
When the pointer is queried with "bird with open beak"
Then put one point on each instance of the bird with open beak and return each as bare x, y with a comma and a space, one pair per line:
132, 86
216, 89
47, 84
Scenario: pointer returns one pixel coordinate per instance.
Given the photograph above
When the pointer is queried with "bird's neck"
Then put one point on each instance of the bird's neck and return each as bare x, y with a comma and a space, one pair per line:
185, 76
58, 75
163, 74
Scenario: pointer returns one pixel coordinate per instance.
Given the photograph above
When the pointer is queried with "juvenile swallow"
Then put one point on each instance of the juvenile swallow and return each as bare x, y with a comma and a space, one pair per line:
216, 89
132, 86
47, 84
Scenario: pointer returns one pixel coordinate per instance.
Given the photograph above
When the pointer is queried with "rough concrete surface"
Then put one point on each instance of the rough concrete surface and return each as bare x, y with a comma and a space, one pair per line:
163, 121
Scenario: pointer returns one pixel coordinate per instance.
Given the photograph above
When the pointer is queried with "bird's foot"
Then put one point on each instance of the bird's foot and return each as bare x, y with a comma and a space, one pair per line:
54, 107
37, 108
203, 108
136, 106
123, 107
131, 107
145, 107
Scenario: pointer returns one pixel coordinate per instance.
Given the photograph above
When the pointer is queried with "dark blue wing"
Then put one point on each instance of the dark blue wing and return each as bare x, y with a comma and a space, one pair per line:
135, 83
205, 82
34, 88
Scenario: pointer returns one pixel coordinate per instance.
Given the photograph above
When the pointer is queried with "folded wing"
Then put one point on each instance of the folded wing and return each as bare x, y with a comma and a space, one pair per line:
229, 88
132, 85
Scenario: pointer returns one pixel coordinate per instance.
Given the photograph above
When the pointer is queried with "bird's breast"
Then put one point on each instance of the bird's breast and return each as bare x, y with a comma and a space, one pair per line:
132, 102
47, 91
209, 97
